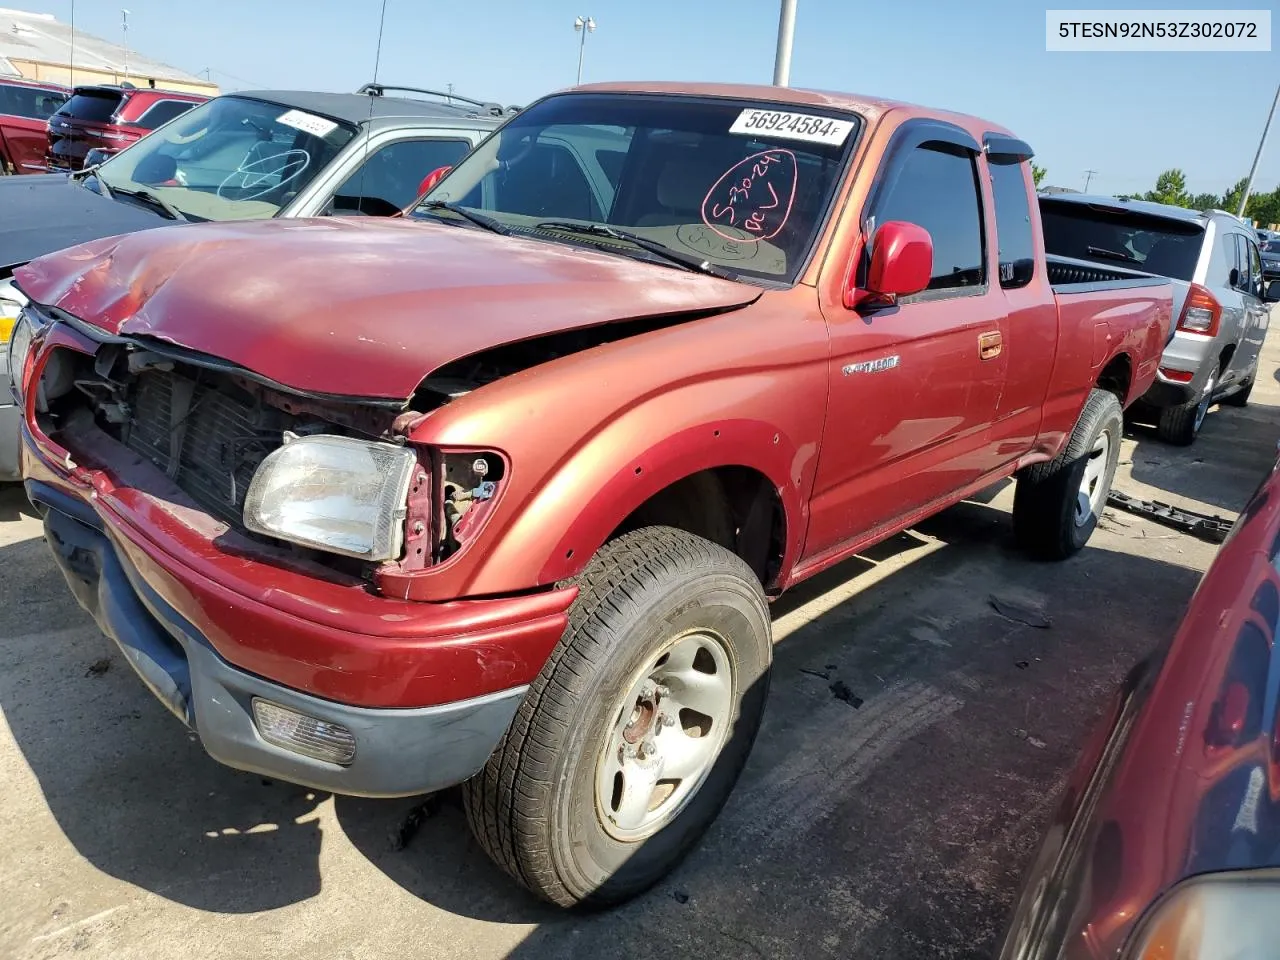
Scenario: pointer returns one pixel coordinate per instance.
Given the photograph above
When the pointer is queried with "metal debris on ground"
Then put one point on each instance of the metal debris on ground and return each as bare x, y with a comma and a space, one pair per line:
840, 690
98, 667
1019, 613
409, 826
1213, 529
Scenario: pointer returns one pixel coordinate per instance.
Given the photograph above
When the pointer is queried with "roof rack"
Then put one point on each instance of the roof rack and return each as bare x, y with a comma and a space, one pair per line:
380, 90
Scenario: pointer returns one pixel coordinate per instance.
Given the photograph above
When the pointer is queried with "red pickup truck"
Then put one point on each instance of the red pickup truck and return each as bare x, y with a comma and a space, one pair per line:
497, 492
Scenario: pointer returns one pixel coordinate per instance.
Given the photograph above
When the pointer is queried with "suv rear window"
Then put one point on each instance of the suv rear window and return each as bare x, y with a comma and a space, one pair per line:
93, 107
1117, 237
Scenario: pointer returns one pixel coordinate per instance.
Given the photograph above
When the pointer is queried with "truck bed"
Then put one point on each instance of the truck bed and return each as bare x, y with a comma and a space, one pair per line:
1067, 272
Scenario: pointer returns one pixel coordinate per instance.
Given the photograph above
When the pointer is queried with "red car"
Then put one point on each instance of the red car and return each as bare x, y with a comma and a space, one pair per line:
25, 109
502, 487
1166, 843
109, 118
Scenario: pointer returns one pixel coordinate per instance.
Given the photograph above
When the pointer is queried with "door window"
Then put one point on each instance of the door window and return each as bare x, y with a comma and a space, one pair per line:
388, 180
30, 102
162, 112
937, 188
1255, 269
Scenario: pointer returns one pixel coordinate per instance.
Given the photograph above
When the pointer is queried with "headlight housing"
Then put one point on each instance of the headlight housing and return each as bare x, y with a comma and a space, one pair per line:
11, 304
336, 494
1213, 916
18, 346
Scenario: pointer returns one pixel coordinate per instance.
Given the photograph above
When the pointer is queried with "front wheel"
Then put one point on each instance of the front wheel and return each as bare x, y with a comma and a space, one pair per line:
633, 735
1057, 504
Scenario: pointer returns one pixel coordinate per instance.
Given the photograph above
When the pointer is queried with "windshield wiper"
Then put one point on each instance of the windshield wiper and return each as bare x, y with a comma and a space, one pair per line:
1113, 254
151, 200
687, 261
91, 171
479, 219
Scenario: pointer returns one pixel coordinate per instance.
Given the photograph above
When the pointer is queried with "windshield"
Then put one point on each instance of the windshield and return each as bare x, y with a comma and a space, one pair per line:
1271, 246
1118, 237
229, 159
743, 186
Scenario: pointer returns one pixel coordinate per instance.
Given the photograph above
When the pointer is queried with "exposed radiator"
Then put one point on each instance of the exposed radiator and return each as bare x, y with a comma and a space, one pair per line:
219, 443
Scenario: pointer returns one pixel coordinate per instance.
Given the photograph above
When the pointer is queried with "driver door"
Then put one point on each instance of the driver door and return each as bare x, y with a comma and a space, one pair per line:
914, 388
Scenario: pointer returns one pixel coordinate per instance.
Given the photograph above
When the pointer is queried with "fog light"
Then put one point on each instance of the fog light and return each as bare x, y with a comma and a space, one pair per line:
309, 736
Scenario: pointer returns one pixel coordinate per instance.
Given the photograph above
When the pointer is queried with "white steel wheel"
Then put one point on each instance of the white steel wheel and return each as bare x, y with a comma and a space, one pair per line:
670, 728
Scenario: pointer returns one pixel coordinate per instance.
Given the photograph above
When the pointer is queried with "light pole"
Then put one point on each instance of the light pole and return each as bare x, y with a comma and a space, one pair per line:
786, 31
1244, 197
583, 25
124, 32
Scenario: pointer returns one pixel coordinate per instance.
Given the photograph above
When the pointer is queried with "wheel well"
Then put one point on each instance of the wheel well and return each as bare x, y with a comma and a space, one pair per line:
735, 507
1224, 358
1117, 376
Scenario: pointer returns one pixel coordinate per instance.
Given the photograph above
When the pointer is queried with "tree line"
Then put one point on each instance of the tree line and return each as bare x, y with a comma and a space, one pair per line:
1171, 187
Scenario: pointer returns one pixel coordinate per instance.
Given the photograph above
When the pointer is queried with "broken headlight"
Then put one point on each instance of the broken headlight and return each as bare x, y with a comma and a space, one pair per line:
336, 494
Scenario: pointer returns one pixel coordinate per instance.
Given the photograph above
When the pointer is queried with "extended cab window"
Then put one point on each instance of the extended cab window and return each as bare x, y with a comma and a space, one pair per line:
742, 187
937, 188
1013, 224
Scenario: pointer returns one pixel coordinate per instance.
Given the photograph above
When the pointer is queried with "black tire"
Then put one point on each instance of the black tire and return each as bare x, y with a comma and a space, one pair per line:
533, 807
1044, 503
1181, 425
1241, 397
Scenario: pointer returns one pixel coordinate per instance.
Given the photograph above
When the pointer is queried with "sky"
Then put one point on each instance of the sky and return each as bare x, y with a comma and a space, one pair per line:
1125, 115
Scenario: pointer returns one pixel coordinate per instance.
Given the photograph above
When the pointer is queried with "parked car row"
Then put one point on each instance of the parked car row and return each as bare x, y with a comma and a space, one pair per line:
494, 490
47, 126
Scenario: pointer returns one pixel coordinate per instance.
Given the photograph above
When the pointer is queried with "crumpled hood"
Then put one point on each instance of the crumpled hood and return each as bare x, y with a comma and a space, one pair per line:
355, 307
40, 213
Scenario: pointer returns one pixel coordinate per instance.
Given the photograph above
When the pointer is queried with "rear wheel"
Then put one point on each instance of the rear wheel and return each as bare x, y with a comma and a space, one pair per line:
634, 733
1057, 504
1241, 397
1180, 425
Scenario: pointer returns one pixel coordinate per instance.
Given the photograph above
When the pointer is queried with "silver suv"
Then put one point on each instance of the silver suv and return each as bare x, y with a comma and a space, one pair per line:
1220, 296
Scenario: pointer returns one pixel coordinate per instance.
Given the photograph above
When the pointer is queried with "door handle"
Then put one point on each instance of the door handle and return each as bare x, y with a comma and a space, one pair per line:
990, 345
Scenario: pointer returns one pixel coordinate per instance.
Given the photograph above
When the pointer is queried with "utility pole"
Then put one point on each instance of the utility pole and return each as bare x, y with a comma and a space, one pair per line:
583, 25
1088, 175
1266, 128
124, 31
449, 87
786, 33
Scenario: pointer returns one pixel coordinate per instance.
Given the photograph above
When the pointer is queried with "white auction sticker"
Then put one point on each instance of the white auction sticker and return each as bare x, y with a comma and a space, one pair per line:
307, 123
791, 126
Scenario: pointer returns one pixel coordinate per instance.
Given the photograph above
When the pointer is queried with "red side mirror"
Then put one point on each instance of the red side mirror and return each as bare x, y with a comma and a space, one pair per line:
901, 264
431, 179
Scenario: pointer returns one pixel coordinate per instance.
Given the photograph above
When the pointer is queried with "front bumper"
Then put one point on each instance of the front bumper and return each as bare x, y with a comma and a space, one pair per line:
398, 751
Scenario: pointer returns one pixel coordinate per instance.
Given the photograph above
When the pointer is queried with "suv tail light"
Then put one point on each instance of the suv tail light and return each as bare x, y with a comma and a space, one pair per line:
1201, 313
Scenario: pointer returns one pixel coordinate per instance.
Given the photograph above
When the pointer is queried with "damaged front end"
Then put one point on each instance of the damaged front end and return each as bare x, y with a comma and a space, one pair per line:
327, 481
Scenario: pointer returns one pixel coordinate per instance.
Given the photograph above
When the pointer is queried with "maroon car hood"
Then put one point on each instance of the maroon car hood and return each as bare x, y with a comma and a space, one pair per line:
358, 307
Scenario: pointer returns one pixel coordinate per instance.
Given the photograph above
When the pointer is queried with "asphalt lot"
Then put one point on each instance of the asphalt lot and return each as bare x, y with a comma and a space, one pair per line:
892, 821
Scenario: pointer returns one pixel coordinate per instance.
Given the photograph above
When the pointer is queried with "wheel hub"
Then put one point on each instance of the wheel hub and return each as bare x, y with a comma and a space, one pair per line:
668, 731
